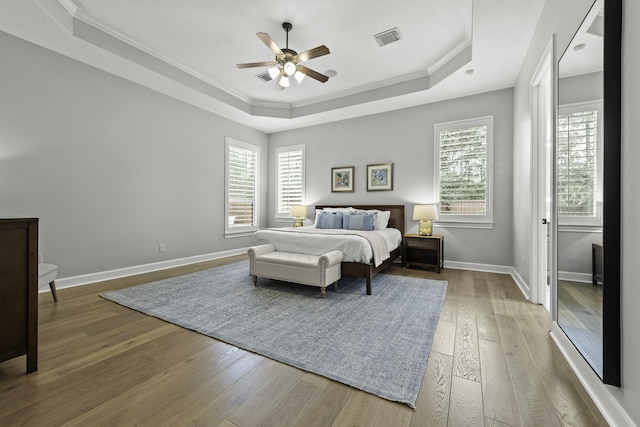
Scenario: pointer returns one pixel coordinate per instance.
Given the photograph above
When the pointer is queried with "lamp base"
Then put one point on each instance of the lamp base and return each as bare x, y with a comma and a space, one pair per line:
298, 222
425, 228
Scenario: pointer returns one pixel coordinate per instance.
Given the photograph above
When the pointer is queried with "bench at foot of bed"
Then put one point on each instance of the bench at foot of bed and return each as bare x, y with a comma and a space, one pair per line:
313, 270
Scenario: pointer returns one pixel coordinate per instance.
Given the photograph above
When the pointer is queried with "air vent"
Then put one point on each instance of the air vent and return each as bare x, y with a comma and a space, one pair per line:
386, 37
265, 77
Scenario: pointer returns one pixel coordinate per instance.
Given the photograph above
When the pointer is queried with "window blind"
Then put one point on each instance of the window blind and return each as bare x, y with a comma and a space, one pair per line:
463, 171
290, 177
242, 164
577, 163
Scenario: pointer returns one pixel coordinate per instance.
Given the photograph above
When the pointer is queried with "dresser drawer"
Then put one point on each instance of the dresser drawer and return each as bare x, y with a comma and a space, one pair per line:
423, 243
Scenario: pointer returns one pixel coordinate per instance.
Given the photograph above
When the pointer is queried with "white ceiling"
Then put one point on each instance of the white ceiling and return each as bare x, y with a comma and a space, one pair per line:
188, 49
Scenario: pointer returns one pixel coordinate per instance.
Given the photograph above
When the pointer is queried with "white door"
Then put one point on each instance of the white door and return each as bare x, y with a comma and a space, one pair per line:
541, 165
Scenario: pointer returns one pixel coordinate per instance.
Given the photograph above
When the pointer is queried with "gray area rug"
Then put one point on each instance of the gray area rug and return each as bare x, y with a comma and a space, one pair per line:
377, 343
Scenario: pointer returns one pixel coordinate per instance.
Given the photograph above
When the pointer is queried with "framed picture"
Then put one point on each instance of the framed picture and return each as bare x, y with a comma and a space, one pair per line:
342, 179
380, 177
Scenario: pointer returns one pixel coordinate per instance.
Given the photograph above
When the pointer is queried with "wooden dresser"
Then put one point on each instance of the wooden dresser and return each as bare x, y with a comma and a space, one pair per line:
19, 290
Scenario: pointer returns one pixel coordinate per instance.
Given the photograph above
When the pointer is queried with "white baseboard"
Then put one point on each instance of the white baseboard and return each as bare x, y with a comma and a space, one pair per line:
574, 277
601, 394
69, 282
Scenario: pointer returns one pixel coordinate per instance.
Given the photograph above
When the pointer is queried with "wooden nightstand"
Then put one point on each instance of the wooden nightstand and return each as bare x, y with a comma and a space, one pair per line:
423, 251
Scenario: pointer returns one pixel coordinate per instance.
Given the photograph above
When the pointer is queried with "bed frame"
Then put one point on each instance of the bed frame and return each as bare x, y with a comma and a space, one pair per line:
367, 271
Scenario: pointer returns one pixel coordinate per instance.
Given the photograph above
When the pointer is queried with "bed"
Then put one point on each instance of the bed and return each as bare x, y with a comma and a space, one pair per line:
356, 264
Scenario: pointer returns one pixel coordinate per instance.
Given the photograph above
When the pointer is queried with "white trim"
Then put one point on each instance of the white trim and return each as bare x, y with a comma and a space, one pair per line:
580, 228
601, 394
544, 74
571, 276
85, 279
286, 149
595, 221
241, 230
467, 123
463, 224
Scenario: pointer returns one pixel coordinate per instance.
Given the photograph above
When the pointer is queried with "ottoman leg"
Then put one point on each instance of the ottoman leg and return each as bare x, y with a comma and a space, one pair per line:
255, 280
322, 291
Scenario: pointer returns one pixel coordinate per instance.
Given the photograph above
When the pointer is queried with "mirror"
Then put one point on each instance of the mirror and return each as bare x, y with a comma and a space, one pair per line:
587, 178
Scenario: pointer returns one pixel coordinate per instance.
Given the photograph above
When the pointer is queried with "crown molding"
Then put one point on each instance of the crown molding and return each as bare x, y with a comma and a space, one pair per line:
91, 30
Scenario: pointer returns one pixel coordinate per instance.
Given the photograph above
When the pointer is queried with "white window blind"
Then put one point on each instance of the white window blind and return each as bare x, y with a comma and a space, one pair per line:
578, 164
241, 204
290, 179
464, 170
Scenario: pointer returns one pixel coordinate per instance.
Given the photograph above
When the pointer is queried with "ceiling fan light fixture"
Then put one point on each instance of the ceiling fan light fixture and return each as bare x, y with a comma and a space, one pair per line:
286, 63
289, 68
274, 72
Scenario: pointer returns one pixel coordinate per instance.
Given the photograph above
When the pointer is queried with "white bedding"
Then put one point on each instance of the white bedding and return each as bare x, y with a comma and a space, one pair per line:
318, 241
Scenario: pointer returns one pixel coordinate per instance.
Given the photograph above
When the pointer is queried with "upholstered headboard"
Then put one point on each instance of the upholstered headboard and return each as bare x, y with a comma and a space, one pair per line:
396, 219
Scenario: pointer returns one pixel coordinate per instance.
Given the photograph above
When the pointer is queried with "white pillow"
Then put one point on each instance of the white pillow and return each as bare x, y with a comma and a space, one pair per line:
382, 218
343, 210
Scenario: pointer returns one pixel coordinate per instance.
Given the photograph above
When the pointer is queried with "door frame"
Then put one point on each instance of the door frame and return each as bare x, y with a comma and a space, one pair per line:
539, 271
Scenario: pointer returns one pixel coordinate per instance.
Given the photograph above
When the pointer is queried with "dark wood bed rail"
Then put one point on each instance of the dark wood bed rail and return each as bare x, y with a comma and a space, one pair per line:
367, 271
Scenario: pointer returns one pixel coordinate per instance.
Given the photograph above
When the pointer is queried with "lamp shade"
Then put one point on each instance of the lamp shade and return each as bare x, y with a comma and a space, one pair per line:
298, 211
425, 212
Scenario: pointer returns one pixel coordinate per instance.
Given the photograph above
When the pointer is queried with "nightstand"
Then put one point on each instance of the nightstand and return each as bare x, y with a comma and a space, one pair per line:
423, 251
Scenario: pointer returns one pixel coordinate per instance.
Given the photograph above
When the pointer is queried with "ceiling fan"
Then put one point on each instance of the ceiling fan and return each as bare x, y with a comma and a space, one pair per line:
287, 62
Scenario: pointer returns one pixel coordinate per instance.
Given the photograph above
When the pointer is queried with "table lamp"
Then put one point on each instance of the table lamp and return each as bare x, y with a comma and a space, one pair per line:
425, 213
299, 213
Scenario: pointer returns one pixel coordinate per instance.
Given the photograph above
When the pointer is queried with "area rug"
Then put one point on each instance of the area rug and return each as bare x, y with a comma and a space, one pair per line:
377, 343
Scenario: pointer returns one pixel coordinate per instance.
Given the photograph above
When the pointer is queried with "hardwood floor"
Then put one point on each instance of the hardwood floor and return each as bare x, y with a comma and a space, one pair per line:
580, 317
492, 364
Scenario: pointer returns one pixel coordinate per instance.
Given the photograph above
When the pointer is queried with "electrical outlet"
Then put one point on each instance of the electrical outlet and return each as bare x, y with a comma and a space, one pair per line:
161, 247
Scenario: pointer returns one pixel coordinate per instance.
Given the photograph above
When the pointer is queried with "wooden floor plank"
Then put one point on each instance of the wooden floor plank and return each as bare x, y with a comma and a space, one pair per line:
466, 360
535, 404
570, 404
497, 389
466, 403
103, 364
432, 405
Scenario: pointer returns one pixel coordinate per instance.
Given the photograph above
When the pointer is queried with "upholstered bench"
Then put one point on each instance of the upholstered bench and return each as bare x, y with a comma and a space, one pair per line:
313, 270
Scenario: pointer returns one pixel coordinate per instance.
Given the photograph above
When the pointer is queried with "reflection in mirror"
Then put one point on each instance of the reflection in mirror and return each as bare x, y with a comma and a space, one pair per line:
579, 187
581, 190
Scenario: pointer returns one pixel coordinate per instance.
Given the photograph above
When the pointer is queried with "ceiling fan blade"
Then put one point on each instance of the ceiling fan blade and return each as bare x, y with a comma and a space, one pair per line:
266, 39
257, 64
311, 73
313, 53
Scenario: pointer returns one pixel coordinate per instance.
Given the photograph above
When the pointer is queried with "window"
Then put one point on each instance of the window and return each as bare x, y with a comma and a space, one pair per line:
579, 160
463, 170
290, 179
241, 190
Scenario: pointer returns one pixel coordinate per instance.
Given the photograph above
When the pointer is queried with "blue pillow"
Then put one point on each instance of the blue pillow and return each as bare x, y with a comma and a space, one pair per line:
329, 220
359, 221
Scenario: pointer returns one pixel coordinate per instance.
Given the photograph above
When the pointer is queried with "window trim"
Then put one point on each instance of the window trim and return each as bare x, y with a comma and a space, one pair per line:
466, 221
279, 216
241, 231
587, 224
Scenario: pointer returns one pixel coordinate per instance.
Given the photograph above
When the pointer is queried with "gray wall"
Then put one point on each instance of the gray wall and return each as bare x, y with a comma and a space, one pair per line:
562, 18
111, 168
406, 138
629, 394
